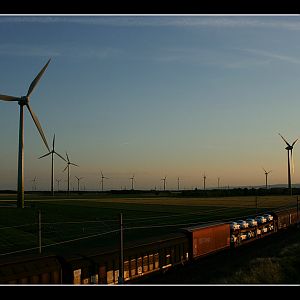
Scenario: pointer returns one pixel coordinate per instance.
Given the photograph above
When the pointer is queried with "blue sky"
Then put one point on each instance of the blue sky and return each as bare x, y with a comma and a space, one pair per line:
153, 96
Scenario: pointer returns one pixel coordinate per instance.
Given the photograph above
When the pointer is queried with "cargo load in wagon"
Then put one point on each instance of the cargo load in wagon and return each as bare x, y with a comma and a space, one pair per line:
208, 238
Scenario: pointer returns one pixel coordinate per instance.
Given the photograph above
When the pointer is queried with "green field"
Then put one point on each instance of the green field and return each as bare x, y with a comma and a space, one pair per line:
76, 222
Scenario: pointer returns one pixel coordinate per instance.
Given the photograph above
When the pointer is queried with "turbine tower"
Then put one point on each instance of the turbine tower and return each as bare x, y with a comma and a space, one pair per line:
164, 179
52, 163
178, 183
68, 167
132, 180
78, 179
266, 173
289, 148
204, 179
24, 101
103, 177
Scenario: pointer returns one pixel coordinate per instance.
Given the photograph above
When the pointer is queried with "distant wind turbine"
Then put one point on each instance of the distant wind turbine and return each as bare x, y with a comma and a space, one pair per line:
52, 163
68, 167
204, 179
103, 177
289, 148
24, 101
78, 179
266, 173
34, 183
218, 182
132, 180
58, 181
164, 179
178, 183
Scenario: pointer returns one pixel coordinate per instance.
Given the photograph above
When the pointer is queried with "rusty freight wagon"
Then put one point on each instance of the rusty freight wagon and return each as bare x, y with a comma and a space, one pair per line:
31, 270
285, 218
207, 239
153, 255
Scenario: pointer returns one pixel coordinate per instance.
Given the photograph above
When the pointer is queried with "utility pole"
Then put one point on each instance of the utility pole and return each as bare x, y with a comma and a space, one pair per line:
121, 274
40, 231
297, 210
256, 203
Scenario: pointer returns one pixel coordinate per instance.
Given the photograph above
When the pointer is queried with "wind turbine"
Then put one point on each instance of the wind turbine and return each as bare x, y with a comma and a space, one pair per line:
68, 167
289, 148
58, 181
132, 180
266, 173
33, 183
204, 179
218, 182
52, 163
178, 183
78, 179
24, 101
103, 177
164, 179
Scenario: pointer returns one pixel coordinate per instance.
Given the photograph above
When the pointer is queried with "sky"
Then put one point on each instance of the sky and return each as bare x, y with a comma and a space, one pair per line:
152, 96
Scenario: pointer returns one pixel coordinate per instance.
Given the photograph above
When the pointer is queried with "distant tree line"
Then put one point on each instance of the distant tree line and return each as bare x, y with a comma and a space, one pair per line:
225, 192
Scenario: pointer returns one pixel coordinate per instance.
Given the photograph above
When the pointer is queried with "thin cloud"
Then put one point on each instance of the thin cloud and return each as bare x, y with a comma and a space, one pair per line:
12, 49
277, 22
272, 55
225, 58
16, 49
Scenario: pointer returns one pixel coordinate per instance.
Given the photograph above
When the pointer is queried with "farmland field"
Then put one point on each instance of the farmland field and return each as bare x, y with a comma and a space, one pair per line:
84, 221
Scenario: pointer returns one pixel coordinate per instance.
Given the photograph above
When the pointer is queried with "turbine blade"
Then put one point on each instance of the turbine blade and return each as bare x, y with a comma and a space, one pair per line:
38, 125
74, 164
294, 142
45, 155
284, 140
53, 141
67, 157
9, 98
77, 177
264, 170
65, 168
36, 79
101, 173
60, 156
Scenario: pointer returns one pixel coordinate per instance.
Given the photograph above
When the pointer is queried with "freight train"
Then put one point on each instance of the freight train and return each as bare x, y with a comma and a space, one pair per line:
180, 248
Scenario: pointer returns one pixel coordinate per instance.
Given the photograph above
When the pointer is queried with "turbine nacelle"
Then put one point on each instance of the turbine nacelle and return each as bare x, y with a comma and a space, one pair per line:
24, 100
